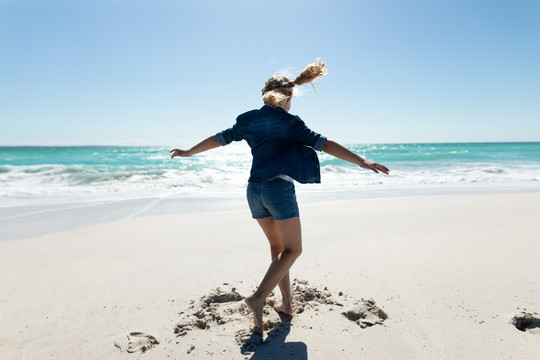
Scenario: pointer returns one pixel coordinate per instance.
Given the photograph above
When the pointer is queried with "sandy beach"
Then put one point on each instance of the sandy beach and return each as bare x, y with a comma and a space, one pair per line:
433, 277
134, 133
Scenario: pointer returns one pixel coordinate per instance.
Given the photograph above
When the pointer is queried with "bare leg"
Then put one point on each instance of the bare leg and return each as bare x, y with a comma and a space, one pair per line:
268, 225
290, 233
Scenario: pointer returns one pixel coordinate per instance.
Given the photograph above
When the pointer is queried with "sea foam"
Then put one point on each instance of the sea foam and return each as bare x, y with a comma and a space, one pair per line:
31, 173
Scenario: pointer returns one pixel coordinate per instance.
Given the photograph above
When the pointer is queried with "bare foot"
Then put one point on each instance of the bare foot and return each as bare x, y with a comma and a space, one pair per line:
256, 307
283, 308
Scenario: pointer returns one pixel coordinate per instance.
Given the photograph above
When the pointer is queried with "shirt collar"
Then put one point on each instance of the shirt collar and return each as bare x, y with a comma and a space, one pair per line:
274, 108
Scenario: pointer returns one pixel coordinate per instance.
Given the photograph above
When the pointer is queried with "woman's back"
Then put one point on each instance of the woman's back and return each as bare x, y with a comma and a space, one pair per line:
274, 136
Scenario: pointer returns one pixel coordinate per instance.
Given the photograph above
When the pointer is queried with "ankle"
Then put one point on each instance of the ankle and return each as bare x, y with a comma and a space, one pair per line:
255, 297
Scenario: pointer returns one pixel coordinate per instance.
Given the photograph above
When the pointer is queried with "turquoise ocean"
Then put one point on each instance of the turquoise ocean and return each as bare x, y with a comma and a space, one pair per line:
29, 174
45, 186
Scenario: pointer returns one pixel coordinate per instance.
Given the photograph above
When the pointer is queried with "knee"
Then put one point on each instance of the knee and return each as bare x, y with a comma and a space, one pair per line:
295, 252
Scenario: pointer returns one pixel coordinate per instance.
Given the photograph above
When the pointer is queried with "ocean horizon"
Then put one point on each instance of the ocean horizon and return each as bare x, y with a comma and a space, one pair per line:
161, 143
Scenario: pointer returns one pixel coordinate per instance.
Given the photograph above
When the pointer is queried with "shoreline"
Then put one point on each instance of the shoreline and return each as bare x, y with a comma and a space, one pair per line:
450, 271
71, 213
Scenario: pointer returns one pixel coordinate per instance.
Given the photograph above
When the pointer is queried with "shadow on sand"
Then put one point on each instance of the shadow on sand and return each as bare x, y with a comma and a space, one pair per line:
275, 347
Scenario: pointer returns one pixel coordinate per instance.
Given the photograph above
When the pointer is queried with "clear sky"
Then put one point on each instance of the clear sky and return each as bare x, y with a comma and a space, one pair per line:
172, 72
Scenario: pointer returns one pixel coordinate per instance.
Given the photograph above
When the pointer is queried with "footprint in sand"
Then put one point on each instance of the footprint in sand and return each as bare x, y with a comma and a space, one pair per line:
138, 342
248, 340
365, 313
527, 322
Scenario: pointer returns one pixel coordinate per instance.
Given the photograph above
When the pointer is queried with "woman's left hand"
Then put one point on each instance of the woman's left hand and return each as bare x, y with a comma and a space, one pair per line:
179, 152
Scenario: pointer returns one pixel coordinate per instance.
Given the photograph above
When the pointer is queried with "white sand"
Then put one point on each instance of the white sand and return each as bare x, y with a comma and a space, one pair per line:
450, 272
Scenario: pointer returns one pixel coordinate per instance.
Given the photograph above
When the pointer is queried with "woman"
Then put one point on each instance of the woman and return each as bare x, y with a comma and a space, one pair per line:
282, 148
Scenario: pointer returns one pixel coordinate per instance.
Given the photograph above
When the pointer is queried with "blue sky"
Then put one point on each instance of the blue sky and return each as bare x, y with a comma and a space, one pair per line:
173, 72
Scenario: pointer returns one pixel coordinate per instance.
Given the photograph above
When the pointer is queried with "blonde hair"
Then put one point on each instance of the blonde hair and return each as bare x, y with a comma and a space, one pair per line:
278, 89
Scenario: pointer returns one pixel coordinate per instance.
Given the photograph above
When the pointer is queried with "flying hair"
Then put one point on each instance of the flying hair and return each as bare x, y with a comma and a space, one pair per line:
278, 88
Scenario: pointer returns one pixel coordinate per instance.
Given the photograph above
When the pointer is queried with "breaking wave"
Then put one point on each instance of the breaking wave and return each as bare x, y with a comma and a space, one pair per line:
149, 171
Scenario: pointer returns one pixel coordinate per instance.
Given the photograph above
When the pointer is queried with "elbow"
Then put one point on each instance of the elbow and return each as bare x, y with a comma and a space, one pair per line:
328, 145
215, 141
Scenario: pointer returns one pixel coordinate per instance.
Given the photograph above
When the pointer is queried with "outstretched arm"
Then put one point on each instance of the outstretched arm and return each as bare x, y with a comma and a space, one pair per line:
341, 152
204, 145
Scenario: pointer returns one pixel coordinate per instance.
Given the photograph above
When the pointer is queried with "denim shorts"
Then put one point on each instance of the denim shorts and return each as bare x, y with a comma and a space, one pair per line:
272, 198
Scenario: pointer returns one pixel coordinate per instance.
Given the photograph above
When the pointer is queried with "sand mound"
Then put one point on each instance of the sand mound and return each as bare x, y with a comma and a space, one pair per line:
225, 306
220, 307
307, 296
217, 308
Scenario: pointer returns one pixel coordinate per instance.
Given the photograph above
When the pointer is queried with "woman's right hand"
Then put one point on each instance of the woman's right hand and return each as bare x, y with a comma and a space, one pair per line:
179, 152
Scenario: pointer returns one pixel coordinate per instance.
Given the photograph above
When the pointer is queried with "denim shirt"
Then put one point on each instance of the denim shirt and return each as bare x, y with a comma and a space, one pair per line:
281, 144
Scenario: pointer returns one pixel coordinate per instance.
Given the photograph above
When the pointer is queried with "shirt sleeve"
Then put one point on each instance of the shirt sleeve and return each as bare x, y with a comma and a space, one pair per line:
305, 135
232, 134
